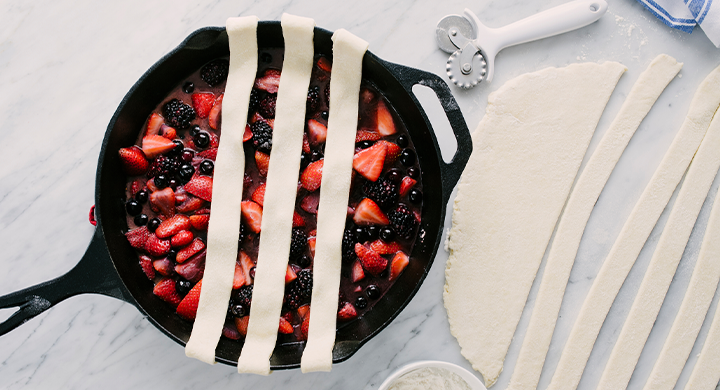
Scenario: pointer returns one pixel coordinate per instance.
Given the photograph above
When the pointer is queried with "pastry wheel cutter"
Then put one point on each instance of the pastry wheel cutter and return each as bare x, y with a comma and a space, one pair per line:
474, 46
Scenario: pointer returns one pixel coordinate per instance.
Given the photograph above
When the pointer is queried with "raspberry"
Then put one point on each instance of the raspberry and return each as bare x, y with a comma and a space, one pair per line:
163, 165
383, 192
403, 221
215, 72
298, 243
262, 136
348, 246
266, 107
178, 114
313, 100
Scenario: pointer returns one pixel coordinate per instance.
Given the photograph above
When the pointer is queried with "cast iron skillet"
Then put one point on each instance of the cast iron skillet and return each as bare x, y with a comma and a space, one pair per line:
110, 265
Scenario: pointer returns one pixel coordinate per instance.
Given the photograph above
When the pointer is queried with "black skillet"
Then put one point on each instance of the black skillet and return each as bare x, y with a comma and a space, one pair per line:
110, 265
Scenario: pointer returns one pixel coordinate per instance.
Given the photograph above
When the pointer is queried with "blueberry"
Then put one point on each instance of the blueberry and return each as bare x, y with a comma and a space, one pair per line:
133, 207
153, 224
407, 157
304, 160
325, 115
188, 87
316, 155
161, 181
195, 130
202, 139
252, 272
187, 155
387, 234
402, 141
361, 234
173, 184
373, 291
141, 220
414, 173
206, 167
183, 286
415, 196
361, 302
304, 261
372, 232
366, 144
237, 310
172, 255
266, 58
142, 196
186, 172
177, 150
394, 176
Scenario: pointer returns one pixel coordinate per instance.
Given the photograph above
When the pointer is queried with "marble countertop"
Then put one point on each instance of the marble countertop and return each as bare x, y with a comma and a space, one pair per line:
65, 66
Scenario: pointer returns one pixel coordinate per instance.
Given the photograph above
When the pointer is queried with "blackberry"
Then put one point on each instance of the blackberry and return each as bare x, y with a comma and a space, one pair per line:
327, 94
266, 107
163, 165
403, 221
243, 296
383, 192
300, 290
262, 136
254, 100
313, 100
298, 243
178, 114
348, 246
215, 72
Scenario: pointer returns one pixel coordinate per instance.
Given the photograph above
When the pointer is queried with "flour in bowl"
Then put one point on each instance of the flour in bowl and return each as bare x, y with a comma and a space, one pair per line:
430, 378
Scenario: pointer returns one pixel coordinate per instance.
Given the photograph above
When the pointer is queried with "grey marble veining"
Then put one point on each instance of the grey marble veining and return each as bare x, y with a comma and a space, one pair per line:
65, 66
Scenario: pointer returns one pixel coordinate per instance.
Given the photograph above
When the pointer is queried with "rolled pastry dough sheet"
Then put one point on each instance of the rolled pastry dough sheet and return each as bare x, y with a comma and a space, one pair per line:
529, 146
224, 225
634, 233
641, 98
280, 192
706, 373
664, 262
348, 52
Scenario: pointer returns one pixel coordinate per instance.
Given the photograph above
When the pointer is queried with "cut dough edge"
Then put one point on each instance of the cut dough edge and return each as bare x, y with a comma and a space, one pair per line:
664, 262
224, 225
634, 234
484, 327
348, 53
583, 197
280, 192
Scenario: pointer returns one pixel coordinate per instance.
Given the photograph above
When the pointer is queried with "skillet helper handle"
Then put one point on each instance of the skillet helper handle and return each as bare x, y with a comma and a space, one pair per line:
451, 171
93, 274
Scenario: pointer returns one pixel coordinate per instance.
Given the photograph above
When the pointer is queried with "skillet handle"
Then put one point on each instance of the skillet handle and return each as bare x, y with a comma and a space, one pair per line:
450, 172
93, 274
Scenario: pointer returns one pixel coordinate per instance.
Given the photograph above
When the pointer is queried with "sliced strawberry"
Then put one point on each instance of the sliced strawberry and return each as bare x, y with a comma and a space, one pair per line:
393, 152
214, 116
190, 204
252, 215
298, 221
357, 273
290, 275
312, 175
193, 269
259, 195
182, 238
365, 135
185, 253
310, 202
200, 186
311, 245
147, 266
151, 185
285, 327
247, 264
347, 312
239, 278
214, 140
137, 237
231, 332
371, 261
172, 226
163, 266
157, 247
133, 161
369, 162
269, 81
203, 103
398, 264
256, 117
209, 154
317, 132
153, 145
163, 202
199, 222
324, 64
154, 124
406, 184
262, 161
385, 123
169, 132
303, 311
165, 290
369, 213
306, 144
242, 324
384, 248
247, 135
288, 316
304, 328
202, 211
187, 309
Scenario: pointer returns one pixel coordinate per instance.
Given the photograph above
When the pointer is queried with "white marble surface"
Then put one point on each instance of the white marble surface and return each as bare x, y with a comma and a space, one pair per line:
66, 64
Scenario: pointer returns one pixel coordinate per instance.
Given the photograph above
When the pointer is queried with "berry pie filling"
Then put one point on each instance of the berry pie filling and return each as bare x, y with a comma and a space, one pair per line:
169, 191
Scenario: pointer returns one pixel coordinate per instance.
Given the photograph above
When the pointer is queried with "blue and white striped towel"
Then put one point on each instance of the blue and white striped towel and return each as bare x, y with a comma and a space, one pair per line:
685, 14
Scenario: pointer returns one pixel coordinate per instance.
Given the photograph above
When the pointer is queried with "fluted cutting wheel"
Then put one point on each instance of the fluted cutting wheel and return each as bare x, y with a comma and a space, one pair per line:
462, 78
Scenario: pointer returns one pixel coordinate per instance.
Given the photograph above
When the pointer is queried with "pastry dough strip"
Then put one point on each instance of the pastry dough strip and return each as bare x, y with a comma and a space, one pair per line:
224, 225
664, 262
348, 53
634, 233
280, 193
528, 149
641, 98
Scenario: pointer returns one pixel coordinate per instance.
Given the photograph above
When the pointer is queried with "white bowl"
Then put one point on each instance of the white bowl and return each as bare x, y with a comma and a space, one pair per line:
473, 382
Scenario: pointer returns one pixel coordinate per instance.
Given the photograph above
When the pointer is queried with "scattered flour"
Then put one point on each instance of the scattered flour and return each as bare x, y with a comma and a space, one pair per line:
430, 378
